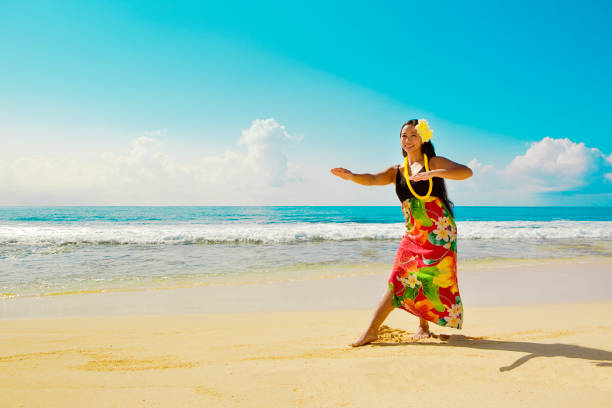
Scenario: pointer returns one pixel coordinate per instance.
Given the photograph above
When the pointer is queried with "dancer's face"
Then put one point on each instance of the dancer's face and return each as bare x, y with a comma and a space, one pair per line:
410, 139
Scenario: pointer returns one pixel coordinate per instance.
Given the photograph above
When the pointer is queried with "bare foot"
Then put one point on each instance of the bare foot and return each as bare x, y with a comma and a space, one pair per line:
422, 333
365, 338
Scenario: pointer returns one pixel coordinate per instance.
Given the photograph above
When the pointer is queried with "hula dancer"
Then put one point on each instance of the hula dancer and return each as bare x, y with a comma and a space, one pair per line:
424, 276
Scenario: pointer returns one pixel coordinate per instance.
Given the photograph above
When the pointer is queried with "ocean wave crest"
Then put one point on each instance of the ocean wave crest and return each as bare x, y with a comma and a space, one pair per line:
190, 233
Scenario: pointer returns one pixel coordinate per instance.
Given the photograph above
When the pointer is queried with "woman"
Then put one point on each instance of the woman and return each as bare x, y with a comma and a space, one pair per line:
424, 276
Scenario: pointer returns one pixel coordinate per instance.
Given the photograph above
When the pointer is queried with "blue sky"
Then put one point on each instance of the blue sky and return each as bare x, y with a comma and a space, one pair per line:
154, 103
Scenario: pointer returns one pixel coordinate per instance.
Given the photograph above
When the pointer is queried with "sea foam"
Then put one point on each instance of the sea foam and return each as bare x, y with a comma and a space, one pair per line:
196, 233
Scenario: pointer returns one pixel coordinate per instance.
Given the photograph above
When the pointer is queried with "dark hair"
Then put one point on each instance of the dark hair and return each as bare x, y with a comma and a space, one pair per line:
428, 149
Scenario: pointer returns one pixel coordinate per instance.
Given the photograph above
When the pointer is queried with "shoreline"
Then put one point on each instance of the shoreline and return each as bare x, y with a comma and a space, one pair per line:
537, 282
318, 272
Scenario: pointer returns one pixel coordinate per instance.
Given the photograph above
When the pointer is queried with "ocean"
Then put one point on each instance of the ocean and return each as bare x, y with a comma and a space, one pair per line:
62, 250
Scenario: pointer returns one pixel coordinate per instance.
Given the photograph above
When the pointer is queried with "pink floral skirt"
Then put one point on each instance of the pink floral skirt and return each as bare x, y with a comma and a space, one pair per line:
424, 277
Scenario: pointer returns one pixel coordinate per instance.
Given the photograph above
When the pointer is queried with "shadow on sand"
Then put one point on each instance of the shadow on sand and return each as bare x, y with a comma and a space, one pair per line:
600, 358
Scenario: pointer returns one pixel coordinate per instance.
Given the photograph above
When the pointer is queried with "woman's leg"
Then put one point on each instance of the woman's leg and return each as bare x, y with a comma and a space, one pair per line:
380, 314
423, 332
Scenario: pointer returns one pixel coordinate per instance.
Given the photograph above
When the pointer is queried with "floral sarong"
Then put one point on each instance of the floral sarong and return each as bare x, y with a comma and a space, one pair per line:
424, 276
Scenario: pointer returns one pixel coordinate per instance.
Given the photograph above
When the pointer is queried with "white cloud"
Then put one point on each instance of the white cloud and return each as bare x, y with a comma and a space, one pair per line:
555, 165
146, 175
266, 142
548, 165
480, 168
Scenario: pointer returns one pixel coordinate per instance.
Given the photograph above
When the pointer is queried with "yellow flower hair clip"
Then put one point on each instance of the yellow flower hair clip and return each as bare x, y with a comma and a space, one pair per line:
424, 130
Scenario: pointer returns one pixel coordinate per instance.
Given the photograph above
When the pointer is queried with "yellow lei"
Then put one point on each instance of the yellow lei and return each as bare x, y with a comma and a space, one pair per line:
410, 184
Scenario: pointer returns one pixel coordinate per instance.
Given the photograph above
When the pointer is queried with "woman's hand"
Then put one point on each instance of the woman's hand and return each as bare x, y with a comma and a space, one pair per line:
426, 175
342, 173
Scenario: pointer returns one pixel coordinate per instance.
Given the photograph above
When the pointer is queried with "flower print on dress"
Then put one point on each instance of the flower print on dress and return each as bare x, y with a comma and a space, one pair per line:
442, 222
447, 277
455, 310
407, 274
418, 233
441, 234
452, 321
452, 237
455, 314
424, 277
411, 281
423, 308
444, 236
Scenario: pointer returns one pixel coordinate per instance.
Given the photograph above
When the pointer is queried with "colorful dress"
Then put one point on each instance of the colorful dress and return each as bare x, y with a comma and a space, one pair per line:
424, 277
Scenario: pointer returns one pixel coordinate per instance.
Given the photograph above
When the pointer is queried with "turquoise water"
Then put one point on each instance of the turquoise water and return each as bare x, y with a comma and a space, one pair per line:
336, 214
46, 250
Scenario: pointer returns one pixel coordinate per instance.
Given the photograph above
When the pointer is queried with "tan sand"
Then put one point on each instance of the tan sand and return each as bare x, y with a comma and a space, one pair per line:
511, 356
193, 348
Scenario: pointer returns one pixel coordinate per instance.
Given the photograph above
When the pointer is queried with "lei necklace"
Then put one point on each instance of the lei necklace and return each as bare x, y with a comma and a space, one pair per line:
426, 134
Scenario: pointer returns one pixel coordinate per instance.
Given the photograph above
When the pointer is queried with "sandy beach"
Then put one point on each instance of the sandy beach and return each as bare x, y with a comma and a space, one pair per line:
540, 337
211, 204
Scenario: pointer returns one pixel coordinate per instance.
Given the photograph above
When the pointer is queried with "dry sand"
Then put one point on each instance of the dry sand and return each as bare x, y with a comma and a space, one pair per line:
539, 355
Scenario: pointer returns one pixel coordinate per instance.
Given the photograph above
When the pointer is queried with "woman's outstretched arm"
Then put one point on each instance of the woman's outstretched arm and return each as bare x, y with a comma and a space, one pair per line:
379, 179
442, 167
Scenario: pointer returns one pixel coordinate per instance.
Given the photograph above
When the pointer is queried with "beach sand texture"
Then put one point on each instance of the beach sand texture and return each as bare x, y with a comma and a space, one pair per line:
515, 355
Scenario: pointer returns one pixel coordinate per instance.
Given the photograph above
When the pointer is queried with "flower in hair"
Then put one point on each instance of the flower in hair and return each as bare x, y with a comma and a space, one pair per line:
423, 130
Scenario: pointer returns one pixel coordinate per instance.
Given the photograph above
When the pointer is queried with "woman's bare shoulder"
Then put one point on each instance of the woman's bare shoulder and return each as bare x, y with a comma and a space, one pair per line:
396, 168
